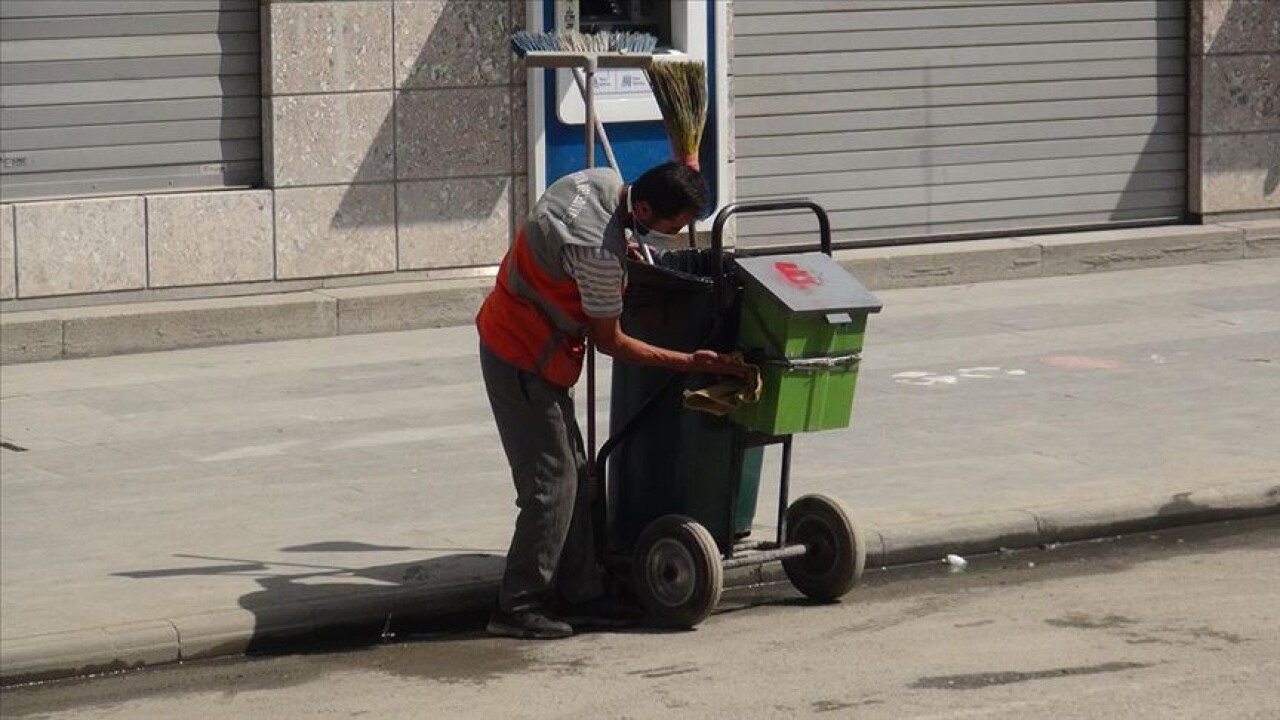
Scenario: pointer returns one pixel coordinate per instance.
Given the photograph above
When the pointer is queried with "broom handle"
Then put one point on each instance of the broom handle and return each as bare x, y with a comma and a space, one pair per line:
588, 100
598, 124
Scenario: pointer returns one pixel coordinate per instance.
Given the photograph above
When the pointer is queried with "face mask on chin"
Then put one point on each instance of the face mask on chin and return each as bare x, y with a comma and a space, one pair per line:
647, 235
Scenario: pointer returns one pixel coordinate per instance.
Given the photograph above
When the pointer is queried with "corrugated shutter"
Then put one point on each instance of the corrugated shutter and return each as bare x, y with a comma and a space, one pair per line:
939, 118
101, 97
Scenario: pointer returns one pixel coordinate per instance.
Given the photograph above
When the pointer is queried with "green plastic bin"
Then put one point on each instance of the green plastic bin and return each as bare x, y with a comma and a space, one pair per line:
803, 319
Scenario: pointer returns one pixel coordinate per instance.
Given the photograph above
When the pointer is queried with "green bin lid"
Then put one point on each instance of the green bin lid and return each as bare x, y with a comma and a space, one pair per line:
808, 283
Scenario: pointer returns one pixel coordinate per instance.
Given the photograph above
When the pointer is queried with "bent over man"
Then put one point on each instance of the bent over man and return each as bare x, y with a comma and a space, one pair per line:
559, 284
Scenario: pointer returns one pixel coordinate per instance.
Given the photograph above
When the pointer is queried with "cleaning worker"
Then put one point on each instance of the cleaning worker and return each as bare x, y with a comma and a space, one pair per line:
561, 283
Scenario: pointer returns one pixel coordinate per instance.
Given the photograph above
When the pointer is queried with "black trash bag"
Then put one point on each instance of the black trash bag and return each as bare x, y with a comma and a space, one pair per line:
692, 262
670, 460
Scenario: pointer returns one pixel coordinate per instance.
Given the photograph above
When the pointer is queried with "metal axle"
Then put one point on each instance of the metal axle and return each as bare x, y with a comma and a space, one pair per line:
762, 557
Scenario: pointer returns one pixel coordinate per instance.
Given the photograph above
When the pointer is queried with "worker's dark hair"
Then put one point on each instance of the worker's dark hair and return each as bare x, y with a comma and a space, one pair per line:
671, 189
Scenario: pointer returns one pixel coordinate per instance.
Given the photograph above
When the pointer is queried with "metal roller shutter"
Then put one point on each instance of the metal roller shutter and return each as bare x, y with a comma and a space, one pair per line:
101, 97
946, 118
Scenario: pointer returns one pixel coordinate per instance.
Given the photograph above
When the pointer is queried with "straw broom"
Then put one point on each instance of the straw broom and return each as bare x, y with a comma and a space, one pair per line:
679, 85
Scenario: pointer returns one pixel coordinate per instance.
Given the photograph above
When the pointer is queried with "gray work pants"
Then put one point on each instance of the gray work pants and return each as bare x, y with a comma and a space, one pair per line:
551, 549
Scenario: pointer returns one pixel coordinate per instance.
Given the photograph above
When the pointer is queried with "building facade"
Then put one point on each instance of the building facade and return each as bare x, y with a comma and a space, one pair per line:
168, 149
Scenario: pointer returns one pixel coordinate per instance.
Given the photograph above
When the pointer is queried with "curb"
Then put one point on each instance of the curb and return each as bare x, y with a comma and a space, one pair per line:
235, 632
65, 333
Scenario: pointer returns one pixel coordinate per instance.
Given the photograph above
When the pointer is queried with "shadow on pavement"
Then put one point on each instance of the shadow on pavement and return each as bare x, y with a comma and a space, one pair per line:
315, 607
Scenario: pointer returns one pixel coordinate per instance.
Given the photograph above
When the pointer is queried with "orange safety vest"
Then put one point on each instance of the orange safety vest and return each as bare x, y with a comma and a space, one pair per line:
533, 319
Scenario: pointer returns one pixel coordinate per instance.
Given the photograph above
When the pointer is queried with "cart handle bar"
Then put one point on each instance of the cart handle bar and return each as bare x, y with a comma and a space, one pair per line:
717, 229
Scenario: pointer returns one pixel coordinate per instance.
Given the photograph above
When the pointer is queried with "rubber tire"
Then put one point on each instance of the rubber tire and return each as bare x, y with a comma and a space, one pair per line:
836, 553
676, 572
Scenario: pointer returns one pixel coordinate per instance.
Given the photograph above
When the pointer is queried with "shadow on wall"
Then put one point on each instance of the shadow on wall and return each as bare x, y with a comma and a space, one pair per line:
448, 139
239, 136
1156, 179
1254, 94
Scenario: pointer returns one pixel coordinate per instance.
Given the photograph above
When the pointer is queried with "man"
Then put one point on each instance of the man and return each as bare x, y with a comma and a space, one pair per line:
561, 283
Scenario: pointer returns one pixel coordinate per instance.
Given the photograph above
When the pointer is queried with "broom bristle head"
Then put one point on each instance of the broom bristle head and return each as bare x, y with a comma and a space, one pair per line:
523, 42
680, 87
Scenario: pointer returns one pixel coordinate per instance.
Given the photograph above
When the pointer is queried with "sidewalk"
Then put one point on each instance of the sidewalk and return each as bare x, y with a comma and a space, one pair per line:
196, 503
46, 329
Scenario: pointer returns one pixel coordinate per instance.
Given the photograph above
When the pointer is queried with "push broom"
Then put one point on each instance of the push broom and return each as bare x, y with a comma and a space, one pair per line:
584, 54
679, 85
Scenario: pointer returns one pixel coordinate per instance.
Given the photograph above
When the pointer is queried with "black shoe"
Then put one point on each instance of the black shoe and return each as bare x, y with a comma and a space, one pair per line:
527, 625
599, 613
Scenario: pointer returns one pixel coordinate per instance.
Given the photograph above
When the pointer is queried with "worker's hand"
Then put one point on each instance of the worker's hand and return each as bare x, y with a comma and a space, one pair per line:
710, 361
639, 252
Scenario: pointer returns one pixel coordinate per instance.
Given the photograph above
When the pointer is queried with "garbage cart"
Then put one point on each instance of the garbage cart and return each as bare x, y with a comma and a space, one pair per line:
680, 490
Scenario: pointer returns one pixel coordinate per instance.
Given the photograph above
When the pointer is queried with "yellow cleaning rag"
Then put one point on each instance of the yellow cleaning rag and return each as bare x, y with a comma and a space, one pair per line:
725, 396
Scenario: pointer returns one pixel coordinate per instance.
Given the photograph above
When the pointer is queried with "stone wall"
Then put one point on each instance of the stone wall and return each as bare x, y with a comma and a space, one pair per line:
393, 146
394, 135
394, 149
1234, 108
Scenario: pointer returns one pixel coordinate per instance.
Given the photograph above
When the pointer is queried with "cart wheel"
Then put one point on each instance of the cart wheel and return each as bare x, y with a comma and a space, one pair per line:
677, 571
836, 552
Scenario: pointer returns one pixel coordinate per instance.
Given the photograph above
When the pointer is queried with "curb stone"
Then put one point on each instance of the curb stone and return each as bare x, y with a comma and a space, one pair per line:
235, 632
93, 331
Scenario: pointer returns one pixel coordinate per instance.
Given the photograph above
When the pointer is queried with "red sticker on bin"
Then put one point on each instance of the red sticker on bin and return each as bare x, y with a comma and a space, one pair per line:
796, 275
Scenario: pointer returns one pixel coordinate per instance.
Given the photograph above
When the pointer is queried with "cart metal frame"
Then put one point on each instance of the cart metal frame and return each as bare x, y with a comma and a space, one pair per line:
733, 554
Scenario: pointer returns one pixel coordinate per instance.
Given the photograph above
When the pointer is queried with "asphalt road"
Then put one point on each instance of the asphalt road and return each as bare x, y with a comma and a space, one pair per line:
1179, 624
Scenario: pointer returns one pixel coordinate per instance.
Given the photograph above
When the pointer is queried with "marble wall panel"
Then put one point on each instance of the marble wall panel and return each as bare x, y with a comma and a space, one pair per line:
452, 43
1238, 93
1234, 26
1236, 173
454, 223
321, 47
210, 238
8, 273
326, 231
331, 139
80, 246
449, 133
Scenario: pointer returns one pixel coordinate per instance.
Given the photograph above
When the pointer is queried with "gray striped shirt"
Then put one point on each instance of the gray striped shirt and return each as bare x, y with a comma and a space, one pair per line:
599, 275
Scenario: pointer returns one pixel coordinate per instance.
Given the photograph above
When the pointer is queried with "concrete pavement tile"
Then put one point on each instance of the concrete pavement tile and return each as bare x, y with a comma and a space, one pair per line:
382, 443
1074, 253
1261, 237
18, 473
1062, 292
361, 614
234, 632
1112, 516
976, 533
400, 307
29, 337
1263, 496
1139, 248
145, 643
451, 598
57, 655
1240, 298
1237, 500
925, 265
110, 330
